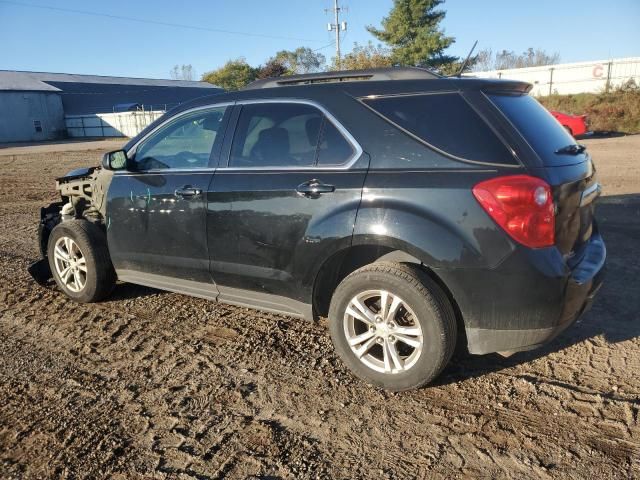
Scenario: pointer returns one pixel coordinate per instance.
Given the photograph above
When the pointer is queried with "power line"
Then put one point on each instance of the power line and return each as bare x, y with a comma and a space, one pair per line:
326, 46
155, 22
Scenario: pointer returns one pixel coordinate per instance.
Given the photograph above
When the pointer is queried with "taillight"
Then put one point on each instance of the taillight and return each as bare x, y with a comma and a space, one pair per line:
522, 206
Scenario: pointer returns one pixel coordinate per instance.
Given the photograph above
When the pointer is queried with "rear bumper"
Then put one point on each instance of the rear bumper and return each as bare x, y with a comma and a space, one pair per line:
484, 340
529, 300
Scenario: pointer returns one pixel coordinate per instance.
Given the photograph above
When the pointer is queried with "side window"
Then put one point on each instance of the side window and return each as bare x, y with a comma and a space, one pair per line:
333, 148
184, 143
447, 122
276, 135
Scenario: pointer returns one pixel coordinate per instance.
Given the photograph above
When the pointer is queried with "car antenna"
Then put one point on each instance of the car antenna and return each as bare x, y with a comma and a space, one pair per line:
466, 60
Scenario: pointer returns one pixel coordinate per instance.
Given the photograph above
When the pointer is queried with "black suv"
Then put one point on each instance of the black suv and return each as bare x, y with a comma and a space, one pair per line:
412, 210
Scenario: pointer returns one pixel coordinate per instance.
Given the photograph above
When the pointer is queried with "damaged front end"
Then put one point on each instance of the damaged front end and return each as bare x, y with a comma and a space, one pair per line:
83, 196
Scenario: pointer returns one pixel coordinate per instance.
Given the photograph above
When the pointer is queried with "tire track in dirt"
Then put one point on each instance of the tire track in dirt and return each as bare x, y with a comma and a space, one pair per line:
130, 344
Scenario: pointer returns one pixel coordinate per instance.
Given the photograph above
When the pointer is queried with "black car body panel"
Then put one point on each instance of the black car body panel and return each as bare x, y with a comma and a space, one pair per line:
252, 236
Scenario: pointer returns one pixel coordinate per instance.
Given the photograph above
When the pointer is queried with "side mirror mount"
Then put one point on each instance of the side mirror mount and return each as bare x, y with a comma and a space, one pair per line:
116, 160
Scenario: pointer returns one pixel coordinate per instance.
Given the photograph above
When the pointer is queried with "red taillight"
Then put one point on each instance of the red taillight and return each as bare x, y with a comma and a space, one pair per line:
522, 206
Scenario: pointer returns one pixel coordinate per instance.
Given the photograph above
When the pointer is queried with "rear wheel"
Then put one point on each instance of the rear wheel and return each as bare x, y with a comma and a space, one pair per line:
79, 260
392, 325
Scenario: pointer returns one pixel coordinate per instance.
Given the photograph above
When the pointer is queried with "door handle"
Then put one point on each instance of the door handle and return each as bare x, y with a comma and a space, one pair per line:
188, 191
314, 188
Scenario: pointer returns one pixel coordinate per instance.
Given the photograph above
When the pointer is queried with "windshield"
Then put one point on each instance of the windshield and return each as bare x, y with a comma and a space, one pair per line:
538, 127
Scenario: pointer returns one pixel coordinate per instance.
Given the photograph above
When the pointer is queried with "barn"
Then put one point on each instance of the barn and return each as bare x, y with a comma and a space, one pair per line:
34, 106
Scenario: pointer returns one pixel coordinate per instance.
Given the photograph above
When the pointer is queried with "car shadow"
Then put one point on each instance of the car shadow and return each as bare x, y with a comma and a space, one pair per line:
615, 315
128, 291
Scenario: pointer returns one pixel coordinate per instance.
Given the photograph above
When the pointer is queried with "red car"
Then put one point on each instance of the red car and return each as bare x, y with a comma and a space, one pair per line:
574, 124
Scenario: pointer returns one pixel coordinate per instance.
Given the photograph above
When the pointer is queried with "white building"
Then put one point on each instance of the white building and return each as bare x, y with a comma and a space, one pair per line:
580, 77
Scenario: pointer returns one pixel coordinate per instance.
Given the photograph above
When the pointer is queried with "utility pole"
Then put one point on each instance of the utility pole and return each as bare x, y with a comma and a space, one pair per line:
337, 26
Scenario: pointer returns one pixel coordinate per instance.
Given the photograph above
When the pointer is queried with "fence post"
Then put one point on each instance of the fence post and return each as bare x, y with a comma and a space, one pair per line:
550, 80
608, 84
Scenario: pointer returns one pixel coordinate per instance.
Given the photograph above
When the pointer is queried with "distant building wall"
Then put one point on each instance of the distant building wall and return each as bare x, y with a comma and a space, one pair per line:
582, 77
121, 124
30, 116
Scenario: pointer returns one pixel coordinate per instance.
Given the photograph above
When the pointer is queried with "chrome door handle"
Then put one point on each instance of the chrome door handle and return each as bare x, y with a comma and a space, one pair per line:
314, 188
188, 191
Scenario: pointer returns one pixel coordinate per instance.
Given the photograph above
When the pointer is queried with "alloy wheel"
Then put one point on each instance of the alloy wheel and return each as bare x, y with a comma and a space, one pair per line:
70, 264
383, 332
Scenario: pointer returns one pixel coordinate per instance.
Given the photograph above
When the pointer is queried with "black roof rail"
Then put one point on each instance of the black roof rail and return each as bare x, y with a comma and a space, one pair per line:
392, 73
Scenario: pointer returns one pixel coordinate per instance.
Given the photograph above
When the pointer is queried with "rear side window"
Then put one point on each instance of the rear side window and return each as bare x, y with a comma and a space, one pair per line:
276, 135
444, 121
333, 148
537, 126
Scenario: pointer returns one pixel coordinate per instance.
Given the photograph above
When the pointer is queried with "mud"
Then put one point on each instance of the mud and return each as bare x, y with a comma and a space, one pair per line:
158, 385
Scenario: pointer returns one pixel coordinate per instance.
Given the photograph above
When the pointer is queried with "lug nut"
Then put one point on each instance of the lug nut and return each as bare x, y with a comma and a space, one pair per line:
379, 341
392, 339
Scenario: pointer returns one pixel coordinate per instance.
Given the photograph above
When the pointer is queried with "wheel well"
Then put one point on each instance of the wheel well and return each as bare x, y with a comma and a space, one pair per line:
334, 270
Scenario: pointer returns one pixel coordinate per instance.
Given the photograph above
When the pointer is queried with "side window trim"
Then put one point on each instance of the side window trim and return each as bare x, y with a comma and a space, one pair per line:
215, 154
327, 117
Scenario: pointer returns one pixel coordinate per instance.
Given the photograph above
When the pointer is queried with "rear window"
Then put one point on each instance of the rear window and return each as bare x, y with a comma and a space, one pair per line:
444, 121
537, 126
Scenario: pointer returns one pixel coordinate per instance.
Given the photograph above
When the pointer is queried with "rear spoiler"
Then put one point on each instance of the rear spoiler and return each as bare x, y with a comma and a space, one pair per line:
507, 86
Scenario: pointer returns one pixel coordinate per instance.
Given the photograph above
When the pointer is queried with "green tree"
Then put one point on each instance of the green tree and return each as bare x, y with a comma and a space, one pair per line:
233, 75
364, 56
453, 68
412, 32
300, 60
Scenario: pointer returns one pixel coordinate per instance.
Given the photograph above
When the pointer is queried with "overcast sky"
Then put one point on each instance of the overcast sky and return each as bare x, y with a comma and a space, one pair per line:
33, 37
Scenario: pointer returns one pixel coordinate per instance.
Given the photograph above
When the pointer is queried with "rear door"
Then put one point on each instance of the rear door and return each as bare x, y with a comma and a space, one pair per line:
156, 208
288, 196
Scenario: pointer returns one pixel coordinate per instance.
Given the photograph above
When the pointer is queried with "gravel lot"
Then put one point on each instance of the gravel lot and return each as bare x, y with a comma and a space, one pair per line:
158, 385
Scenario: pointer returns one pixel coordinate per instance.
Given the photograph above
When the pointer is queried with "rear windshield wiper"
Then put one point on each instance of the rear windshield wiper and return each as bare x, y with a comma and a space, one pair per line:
573, 149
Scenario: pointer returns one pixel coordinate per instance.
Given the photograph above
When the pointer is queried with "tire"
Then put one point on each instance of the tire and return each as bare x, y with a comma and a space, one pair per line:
424, 311
90, 276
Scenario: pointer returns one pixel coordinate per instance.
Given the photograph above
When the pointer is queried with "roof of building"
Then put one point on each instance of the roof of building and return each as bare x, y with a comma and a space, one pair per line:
36, 81
23, 82
83, 94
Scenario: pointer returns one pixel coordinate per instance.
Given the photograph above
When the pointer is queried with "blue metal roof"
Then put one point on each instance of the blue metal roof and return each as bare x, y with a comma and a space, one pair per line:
97, 94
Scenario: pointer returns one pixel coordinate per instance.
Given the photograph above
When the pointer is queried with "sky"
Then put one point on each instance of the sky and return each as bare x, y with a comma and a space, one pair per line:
59, 38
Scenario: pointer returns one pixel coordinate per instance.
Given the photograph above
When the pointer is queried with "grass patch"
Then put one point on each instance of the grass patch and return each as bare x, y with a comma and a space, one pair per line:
617, 111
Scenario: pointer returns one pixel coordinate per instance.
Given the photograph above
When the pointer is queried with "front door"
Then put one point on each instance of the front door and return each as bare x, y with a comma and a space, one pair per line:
287, 197
156, 225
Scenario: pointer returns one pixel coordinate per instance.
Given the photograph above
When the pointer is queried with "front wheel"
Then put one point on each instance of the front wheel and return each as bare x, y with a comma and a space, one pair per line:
392, 325
80, 261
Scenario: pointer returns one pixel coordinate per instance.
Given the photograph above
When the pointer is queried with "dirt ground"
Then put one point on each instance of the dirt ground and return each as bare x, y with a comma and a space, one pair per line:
158, 385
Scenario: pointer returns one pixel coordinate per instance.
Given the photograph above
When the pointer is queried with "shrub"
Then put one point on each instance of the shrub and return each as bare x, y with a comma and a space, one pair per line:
618, 110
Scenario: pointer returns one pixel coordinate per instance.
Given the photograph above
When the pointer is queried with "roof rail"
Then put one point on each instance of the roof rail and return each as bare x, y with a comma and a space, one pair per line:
393, 73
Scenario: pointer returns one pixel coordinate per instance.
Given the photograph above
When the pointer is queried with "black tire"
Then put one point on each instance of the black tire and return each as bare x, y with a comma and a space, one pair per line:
100, 276
429, 304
